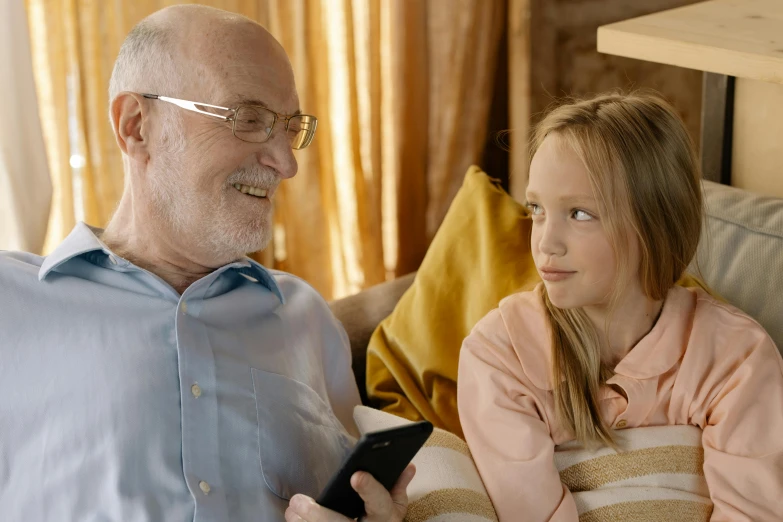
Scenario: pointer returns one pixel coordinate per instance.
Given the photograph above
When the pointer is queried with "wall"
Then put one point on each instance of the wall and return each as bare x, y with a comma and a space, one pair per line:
552, 53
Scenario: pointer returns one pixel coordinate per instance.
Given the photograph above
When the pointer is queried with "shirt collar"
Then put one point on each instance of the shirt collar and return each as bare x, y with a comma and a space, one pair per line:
84, 238
81, 240
658, 351
255, 270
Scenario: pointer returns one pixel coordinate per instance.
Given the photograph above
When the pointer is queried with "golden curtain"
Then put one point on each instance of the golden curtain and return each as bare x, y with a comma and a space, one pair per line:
402, 90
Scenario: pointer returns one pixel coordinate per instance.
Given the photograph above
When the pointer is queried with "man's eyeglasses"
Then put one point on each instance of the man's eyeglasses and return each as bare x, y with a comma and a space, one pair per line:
253, 123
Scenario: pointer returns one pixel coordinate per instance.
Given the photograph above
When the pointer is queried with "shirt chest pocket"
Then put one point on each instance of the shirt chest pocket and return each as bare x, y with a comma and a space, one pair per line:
301, 442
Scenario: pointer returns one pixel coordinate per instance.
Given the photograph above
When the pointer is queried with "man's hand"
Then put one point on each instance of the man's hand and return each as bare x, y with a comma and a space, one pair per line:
379, 504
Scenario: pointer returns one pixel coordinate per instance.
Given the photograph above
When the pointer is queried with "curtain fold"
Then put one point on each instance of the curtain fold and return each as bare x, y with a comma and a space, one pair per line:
25, 186
402, 90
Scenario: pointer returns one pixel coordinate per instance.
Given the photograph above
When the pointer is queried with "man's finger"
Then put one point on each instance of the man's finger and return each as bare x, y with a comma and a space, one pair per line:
305, 509
291, 516
399, 493
377, 501
301, 508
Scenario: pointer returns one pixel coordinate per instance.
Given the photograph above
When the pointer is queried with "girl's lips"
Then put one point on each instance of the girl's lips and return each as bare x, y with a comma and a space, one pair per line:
552, 275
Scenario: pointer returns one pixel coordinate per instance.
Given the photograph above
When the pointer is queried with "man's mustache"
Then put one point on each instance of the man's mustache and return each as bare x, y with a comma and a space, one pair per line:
264, 178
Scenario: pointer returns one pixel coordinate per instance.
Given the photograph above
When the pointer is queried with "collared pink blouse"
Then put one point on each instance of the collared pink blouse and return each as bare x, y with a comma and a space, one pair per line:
704, 363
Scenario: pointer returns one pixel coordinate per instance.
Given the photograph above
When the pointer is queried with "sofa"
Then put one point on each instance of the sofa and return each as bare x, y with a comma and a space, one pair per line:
740, 257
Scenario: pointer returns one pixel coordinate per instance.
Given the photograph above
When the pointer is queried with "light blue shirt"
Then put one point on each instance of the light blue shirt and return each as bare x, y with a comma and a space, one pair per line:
121, 400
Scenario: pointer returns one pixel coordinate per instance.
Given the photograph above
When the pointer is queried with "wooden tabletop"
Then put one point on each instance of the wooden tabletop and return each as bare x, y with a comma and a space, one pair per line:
742, 38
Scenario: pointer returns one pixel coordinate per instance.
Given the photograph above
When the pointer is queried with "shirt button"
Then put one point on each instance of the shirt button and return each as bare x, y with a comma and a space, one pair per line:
184, 308
622, 424
196, 390
204, 487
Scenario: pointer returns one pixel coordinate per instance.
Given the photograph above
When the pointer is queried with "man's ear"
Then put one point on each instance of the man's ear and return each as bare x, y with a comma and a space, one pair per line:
128, 118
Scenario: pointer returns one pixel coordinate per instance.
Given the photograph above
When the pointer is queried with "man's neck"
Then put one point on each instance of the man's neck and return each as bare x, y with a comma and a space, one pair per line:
154, 250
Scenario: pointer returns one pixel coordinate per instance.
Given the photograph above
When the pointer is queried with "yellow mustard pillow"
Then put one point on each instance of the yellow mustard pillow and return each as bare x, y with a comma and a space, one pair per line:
480, 254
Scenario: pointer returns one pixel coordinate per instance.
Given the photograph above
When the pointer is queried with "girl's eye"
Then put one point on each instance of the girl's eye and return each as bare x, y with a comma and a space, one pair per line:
581, 215
534, 209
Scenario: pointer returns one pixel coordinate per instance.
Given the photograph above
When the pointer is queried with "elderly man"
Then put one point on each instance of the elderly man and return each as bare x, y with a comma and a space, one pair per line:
150, 371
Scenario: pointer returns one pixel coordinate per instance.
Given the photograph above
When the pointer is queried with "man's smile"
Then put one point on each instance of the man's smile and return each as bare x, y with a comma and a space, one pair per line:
251, 191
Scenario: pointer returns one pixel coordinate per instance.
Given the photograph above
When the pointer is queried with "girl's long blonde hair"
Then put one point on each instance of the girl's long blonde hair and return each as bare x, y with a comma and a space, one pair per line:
645, 176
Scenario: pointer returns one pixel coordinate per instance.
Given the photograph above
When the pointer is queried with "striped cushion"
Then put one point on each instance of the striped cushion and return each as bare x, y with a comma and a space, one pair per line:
447, 485
657, 475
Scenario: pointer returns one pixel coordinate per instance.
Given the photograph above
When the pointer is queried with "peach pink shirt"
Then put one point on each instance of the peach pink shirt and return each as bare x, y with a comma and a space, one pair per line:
704, 363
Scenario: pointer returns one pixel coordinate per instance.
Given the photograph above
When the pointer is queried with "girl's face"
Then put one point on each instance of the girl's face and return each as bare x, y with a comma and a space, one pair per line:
570, 247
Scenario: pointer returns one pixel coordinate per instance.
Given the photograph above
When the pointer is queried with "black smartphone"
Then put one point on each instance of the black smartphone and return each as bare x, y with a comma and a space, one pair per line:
384, 455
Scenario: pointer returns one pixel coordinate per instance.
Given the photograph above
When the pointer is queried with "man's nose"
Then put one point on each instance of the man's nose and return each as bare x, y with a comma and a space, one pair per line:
276, 152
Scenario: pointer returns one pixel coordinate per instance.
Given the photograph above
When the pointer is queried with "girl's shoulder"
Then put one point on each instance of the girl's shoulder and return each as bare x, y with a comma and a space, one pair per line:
518, 312
716, 317
517, 332
706, 339
723, 329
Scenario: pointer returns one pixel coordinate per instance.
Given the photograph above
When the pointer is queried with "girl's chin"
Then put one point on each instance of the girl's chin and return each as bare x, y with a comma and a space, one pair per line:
564, 297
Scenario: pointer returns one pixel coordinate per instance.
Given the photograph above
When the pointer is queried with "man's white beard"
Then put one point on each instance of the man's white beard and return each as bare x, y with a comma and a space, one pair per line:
217, 230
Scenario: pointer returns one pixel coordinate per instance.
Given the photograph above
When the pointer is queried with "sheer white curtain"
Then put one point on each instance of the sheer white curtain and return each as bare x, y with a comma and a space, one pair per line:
25, 186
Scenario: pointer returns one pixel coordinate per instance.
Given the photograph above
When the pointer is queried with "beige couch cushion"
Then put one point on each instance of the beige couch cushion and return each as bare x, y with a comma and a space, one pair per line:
360, 315
447, 485
741, 253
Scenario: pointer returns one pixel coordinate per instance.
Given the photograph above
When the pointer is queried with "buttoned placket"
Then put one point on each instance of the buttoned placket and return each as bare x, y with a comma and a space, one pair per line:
198, 389
641, 400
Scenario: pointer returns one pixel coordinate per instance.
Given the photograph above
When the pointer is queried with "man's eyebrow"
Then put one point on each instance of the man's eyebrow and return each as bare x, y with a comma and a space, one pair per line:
240, 100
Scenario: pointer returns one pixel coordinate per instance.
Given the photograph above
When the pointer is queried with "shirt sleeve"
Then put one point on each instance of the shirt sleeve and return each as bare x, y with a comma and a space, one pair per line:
743, 438
505, 429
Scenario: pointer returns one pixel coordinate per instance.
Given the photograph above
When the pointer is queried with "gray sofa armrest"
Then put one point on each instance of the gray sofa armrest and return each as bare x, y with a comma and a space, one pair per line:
361, 313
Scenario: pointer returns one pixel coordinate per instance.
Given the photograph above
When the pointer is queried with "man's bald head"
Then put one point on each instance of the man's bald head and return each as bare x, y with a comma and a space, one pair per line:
190, 180
186, 50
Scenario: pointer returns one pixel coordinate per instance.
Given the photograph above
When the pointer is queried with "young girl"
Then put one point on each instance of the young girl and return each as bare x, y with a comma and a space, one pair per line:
608, 341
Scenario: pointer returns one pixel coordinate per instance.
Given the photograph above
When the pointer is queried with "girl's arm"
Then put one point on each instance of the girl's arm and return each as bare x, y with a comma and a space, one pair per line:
743, 438
502, 422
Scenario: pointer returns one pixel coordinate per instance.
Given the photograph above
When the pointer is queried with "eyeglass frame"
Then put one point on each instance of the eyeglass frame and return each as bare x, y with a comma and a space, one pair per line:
191, 106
